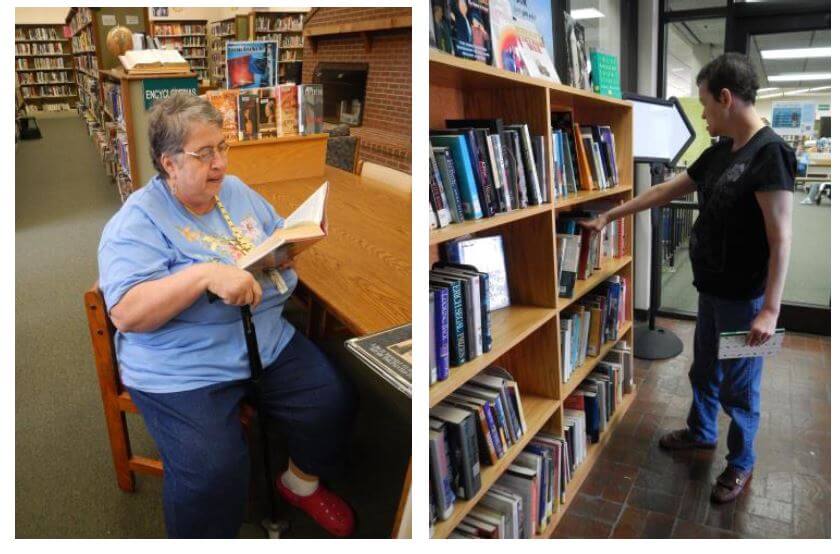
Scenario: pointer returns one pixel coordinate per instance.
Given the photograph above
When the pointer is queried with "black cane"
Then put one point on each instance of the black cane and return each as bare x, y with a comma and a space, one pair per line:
272, 526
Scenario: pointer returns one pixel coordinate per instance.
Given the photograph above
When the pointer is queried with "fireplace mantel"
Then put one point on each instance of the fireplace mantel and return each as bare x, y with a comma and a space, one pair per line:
365, 28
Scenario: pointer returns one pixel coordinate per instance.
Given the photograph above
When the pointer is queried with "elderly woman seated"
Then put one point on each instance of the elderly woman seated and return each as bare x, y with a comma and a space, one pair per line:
184, 360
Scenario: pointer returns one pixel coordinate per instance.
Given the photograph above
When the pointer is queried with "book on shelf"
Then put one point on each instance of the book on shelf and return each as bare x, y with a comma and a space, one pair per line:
518, 45
441, 475
304, 227
227, 102
462, 441
446, 169
477, 163
139, 62
248, 115
287, 109
474, 304
440, 33
487, 255
470, 30
310, 109
267, 116
438, 334
388, 353
437, 193
465, 176
456, 326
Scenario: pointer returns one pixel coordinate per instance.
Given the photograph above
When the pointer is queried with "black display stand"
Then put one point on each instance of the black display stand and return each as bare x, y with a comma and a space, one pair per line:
649, 341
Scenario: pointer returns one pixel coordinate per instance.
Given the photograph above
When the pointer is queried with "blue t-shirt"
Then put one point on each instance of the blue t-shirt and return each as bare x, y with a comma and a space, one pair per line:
154, 236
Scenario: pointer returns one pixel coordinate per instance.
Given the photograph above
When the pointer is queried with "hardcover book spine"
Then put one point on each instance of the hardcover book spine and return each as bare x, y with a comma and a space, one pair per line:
442, 332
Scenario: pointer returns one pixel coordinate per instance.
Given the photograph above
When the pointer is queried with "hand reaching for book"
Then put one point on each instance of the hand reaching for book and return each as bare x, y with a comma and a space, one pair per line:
234, 286
596, 223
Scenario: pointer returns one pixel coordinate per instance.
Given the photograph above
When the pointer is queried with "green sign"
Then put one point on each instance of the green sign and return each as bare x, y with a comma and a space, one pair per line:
605, 78
823, 107
158, 89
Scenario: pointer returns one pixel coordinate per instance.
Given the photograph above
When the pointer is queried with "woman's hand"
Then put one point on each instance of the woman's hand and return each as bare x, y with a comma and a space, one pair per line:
234, 286
596, 223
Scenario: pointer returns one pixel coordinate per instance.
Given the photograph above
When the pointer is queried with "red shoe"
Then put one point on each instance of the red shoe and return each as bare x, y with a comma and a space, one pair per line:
324, 506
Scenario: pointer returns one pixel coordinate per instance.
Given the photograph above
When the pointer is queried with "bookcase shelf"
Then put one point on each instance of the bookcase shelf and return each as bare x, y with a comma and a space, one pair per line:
456, 230
579, 374
537, 411
526, 338
592, 454
43, 102
509, 325
583, 286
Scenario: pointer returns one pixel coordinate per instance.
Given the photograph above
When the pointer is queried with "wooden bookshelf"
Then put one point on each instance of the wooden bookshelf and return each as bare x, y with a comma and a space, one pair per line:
190, 40
526, 335
287, 28
44, 44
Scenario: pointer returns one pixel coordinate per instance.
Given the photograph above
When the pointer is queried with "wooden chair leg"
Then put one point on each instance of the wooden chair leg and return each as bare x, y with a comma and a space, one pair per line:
120, 447
317, 323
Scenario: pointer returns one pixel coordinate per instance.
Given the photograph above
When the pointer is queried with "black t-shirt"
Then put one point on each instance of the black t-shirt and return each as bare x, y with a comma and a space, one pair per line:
729, 250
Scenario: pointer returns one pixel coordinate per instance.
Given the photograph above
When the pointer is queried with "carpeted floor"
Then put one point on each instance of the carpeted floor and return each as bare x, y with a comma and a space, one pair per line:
64, 480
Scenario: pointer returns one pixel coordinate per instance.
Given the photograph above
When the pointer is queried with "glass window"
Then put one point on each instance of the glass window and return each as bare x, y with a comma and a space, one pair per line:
601, 20
689, 45
675, 5
796, 109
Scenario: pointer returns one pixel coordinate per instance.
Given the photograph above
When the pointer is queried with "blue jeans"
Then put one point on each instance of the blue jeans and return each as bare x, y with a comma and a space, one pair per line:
204, 448
734, 384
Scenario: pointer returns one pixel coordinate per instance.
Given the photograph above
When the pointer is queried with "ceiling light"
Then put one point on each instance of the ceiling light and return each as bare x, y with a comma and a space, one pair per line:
586, 13
800, 77
767, 89
793, 53
820, 88
769, 96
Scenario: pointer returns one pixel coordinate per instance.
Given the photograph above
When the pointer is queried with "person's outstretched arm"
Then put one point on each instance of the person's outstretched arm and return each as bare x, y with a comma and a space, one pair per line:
658, 195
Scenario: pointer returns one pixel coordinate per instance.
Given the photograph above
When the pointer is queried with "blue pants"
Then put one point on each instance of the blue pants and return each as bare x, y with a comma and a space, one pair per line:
734, 384
204, 448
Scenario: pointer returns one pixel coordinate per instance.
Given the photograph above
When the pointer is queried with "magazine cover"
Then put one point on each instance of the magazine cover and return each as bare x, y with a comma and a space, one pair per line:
268, 113
248, 118
287, 109
518, 45
310, 108
226, 101
251, 64
469, 25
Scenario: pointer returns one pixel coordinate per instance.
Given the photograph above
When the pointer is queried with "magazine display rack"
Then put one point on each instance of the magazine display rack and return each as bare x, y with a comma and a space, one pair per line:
526, 334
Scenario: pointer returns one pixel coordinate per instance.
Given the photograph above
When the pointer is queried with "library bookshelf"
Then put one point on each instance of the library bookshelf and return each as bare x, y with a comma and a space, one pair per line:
43, 69
189, 37
287, 29
526, 334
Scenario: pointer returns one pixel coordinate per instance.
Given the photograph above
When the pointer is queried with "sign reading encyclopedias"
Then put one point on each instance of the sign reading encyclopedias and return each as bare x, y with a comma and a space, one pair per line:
251, 64
155, 90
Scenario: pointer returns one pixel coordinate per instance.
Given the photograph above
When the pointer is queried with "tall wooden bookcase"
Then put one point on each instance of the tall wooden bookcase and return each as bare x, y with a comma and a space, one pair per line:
526, 334
189, 37
36, 46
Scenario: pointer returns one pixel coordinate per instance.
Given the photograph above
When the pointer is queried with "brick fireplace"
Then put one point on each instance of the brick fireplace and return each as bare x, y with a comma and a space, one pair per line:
381, 39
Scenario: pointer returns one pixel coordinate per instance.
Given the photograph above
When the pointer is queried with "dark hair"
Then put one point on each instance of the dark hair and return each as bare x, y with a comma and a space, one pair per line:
732, 71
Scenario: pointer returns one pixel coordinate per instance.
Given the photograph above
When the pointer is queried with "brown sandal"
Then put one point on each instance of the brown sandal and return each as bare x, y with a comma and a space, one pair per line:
730, 484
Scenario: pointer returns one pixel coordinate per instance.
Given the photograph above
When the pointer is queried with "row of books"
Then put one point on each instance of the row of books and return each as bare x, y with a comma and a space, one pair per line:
474, 426
581, 251
480, 167
290, 56
32, 109
44, 77
177, 43
223, 28
80, 18
88, 63
588, 324
40, 63
251, 114
113, 100
465, 287
28, 49
83, 41
163, 30
37, 33
523, 499
30, 91
265, 23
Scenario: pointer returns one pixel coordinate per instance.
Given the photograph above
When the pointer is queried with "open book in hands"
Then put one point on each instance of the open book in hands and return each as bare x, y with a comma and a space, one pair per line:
303, 228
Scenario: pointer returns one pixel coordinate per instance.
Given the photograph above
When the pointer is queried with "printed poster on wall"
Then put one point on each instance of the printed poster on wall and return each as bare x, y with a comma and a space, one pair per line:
793, 118
251, 64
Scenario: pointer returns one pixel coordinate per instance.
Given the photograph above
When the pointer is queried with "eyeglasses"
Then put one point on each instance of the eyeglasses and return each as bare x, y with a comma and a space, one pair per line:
208, 153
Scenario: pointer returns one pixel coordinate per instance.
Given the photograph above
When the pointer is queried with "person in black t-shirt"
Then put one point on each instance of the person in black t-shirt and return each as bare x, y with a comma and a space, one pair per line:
739, 249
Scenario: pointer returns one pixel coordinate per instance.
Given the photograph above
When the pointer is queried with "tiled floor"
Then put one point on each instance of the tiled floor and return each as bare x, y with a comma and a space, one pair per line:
637, 490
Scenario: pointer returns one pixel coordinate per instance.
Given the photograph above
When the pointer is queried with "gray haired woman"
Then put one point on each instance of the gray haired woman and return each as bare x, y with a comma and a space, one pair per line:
184, 360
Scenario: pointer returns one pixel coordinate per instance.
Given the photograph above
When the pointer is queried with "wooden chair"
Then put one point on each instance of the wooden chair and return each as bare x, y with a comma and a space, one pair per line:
116, 400
386, 175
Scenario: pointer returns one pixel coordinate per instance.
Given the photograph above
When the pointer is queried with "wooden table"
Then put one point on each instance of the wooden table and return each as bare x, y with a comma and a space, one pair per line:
361, 272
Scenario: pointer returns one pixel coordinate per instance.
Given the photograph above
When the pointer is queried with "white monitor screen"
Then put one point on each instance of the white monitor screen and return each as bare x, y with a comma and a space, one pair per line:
658, 131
